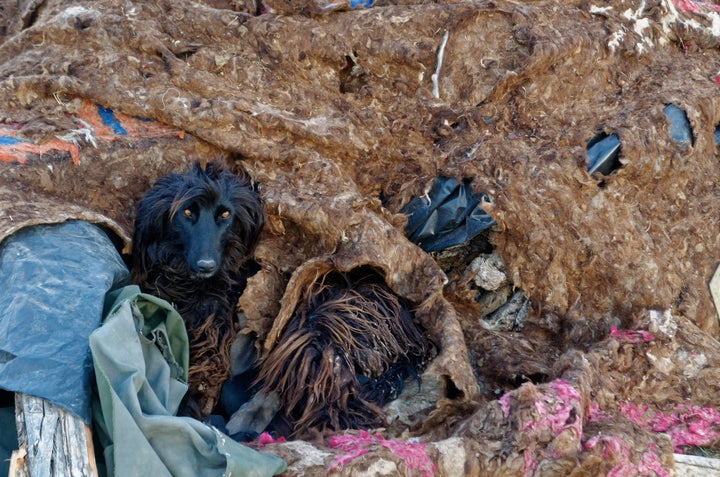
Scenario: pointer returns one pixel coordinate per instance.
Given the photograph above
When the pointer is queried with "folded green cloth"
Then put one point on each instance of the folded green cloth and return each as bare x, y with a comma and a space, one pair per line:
140, 355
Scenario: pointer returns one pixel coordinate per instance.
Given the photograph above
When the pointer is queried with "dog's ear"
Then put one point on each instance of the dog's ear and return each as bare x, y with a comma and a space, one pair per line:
248, 209
200, 168
249, 213
152, 218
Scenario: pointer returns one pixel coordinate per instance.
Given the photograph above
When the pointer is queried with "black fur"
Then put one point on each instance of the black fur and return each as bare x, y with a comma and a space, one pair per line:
346, 352
194, 233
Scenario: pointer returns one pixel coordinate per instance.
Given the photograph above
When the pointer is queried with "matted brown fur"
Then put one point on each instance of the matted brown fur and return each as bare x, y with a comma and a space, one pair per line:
210, 359
342, 116
345, 326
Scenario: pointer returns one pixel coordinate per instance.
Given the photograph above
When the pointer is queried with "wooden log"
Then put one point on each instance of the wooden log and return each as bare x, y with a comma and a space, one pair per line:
696, 466
52, 441
17, 464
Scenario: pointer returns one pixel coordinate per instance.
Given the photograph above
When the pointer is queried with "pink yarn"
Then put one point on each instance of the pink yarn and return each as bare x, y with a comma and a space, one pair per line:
355, 445
614, 447
695, 6
631, 336
594, 413
687, 425
265, 438
557, 410
505, 404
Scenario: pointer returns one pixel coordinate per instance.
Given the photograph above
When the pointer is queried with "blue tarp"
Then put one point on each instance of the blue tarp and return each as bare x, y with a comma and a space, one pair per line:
53, 281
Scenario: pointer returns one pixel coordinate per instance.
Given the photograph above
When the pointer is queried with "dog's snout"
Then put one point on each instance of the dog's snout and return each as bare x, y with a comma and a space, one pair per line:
206, 266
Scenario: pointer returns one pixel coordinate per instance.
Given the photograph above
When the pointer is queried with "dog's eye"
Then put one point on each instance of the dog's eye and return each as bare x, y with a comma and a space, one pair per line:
225, 214
188, 213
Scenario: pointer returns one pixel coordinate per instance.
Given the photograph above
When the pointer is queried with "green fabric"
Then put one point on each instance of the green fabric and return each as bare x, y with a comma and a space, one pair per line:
141, 360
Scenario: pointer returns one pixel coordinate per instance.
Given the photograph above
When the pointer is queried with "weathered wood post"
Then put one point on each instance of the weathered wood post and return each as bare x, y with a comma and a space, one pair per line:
52, 441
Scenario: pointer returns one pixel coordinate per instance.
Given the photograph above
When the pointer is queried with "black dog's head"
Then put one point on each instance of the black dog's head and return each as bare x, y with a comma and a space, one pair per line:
198, 222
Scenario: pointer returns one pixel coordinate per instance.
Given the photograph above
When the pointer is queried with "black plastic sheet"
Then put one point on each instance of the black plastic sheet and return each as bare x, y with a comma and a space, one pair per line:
53, 280
603, 150
680, 130
450, 214
603, 153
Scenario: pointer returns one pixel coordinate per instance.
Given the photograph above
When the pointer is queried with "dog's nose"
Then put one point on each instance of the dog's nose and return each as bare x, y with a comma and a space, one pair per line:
206, 266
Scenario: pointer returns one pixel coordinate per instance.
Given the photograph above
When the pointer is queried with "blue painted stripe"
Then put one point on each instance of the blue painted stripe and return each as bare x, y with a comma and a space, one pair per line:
108, 119
361, 3
7, 140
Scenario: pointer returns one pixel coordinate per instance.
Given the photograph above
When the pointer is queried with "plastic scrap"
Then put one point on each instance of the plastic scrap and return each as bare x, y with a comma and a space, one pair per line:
449, 214
680, 130
717, 135
603, 153
715, 290
7, 141
603, 150
8, 435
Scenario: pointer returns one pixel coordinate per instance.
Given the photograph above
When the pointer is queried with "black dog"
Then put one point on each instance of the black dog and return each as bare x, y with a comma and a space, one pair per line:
345, 353
194, 233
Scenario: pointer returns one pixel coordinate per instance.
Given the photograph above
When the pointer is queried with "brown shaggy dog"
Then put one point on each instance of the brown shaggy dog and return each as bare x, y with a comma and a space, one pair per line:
194, 233
346, 352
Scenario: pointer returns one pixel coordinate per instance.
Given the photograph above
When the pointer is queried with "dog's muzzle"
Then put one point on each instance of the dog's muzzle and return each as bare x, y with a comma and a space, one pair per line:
206, 268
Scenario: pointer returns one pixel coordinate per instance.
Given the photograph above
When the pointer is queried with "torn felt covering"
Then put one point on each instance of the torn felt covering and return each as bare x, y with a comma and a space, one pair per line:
173, 85
520, 90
